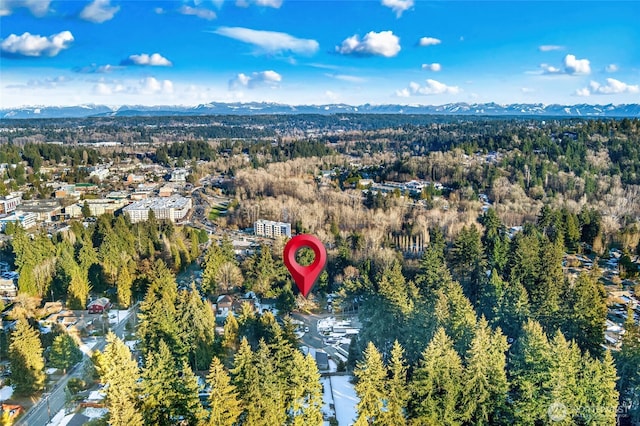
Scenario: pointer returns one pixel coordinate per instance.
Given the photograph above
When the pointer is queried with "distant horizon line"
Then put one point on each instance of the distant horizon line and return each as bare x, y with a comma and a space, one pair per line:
119, 106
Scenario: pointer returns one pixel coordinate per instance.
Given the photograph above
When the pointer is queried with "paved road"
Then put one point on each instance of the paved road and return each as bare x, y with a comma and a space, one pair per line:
49, 405
313, 338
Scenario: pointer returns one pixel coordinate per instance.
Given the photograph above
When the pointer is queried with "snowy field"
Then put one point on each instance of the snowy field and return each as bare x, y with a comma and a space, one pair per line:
345, 400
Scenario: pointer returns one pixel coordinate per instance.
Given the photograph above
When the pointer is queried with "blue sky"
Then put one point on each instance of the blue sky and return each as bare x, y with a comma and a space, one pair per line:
313, 52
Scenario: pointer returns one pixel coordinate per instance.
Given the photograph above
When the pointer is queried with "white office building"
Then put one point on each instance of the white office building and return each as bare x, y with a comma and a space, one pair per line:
10, 202
268, 228
173, 208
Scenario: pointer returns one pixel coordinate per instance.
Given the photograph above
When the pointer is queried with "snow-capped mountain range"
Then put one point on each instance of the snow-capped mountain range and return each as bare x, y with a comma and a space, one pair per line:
252, 108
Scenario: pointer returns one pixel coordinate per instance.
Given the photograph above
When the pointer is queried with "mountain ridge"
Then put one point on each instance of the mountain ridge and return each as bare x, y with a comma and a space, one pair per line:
254, 108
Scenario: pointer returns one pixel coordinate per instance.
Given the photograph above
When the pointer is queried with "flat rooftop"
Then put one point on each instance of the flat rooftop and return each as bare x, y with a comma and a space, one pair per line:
175, 202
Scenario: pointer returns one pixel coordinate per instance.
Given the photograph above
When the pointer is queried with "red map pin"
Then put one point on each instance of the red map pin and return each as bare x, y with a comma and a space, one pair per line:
305, 276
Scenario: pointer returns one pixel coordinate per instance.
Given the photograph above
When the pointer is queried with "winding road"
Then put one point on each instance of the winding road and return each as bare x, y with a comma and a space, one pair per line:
50, 403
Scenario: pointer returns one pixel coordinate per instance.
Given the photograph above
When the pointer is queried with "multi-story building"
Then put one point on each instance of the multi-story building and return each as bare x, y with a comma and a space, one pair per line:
268, 228
96, 207
173, 208
9, 203
26, 220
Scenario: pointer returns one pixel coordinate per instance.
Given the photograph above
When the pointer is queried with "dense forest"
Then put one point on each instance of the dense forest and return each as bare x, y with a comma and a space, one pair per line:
470, 314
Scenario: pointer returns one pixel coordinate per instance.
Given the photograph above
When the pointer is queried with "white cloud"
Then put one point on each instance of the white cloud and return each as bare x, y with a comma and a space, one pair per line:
549, 47
264, 3
404, 93
583, 92
611, 68
144, 59
398, 6
269, 78
527, 90
332, 96
152, 86
38, 8
200, 12
435, 67
572, 66
270, 41
549, 69
147, 86
35, 45
96, 69
347, 78
45, 83
432, 87
384, 43
99, 11
159, 11
576, 66
104, 89
612, 87
429, 41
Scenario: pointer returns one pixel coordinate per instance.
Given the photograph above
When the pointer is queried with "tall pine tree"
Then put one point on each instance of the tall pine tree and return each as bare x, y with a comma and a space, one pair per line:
25, 357
120, 372
371, 376
225, 405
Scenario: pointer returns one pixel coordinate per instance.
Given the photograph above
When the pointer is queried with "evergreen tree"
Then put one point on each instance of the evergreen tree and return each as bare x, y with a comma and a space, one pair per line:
513, 310
524, 263
124, 283
544, 295
433, 269
628, 363
213, 259
196, 325
119, 371
454, 313
187, 404
230, 339
396, 389
468, 264
564, 371
485, 379
25, 357
264, 271
584, 313
272, 407
170, 394
530, 375
86, 211
64, 352
598, 384
495, 241
370, 387
159, 395
158, 317
396, 292
224, 404
305, 391
436, 385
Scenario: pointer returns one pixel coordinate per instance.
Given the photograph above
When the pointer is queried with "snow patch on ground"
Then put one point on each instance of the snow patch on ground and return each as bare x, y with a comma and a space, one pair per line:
87, 346
96, 396
115, 316
60, 419
327, 397
131, 344
345, 400
95, 413
6, 392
